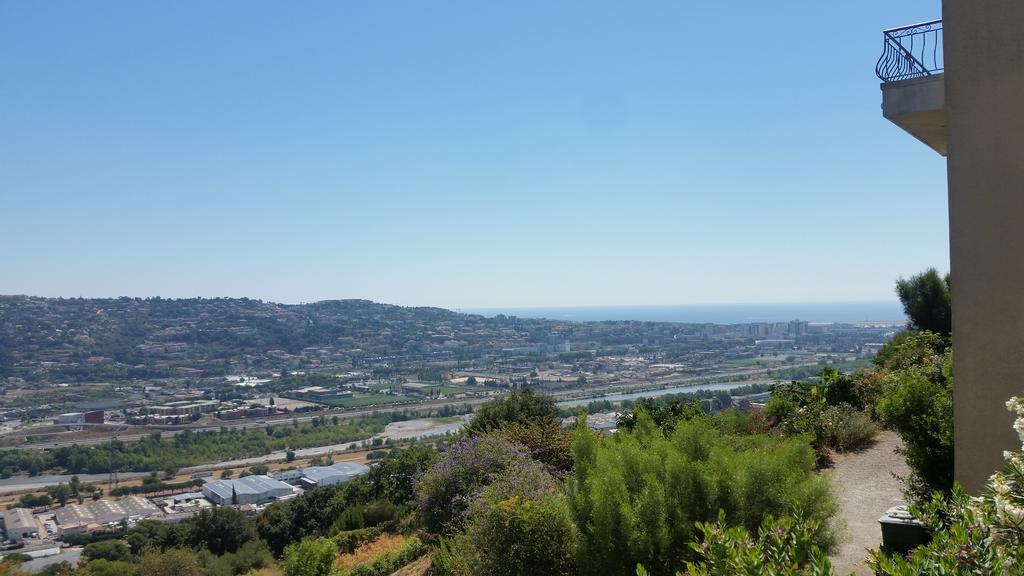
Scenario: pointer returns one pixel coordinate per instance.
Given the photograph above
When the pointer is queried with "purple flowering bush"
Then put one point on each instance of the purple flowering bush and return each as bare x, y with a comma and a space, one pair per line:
446, 490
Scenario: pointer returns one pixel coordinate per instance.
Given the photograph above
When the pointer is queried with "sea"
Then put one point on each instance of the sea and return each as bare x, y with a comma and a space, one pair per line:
873, 311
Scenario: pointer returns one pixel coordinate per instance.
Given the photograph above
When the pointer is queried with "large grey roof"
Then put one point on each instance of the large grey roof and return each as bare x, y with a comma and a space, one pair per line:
346, 470
19, 520
256, 484
105, 511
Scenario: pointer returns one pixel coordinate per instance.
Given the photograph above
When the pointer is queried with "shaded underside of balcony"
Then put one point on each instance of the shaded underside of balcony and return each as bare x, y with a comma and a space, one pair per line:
918, 106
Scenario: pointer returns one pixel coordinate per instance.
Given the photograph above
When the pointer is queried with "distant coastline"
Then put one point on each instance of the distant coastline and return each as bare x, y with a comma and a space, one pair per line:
878, 311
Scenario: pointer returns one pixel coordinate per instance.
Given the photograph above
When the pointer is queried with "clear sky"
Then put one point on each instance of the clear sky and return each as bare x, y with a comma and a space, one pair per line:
460, 154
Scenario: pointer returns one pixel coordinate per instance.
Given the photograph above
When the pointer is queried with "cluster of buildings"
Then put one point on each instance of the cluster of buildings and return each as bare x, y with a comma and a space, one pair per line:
260, 489
101, 514
249, 493
186, 411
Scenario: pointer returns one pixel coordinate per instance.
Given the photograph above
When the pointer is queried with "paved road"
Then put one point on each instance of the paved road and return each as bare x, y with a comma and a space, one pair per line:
26, 483
594, 392
70, 555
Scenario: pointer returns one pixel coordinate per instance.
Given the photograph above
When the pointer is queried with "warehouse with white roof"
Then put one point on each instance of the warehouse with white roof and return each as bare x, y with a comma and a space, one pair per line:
256, 489
318, 476
19, 524
75, 517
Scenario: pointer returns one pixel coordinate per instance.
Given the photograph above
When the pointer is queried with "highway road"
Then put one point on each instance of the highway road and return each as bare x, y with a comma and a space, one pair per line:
595, 393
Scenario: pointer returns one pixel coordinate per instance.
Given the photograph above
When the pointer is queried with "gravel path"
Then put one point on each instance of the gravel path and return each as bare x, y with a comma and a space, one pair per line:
866, 488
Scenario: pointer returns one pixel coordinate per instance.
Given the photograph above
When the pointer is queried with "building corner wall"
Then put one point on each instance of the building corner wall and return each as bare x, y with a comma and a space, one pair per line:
984, 60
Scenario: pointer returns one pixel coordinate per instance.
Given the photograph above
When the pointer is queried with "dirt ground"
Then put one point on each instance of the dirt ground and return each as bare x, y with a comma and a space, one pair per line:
417, 568
866, 488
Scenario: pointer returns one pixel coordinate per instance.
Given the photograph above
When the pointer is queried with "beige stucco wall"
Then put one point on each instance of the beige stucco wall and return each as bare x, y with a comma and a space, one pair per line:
984, 58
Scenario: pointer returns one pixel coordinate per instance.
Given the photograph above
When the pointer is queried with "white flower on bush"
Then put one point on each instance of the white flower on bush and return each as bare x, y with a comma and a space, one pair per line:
999, 485
1016, 405
1004, 500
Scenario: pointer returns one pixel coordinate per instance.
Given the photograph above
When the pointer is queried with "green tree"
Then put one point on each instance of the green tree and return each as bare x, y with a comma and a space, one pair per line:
221, 530
113, 550
925, 299
275, 526
103, 567
60, 493
521, 406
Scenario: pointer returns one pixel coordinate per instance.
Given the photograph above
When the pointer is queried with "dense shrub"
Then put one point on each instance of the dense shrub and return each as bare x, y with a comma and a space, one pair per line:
446, 490
838, 388
113, 550
779, 548
822, 412
349, 540
104, 567
520, 524
737, 421
983, 535
845, 428
172, 562
449, 559
780, 408
919, 407
309, 557
637, 497
251, 556
384, 562
664, 413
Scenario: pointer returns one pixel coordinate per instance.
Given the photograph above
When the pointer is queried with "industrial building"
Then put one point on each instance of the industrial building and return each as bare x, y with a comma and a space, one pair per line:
78, 517
73, 418
185, 408
319, 476
69, 418
319, 394
288, 476
19, 524
256, 489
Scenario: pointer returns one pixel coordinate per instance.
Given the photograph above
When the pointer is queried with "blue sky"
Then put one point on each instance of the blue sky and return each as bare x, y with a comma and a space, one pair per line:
460, 154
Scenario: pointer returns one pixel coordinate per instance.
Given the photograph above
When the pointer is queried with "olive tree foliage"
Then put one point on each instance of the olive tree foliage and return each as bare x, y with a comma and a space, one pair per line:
925, 299
519, 407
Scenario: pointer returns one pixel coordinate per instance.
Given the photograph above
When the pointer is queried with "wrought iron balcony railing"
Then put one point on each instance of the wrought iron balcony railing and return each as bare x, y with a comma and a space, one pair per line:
911, 52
